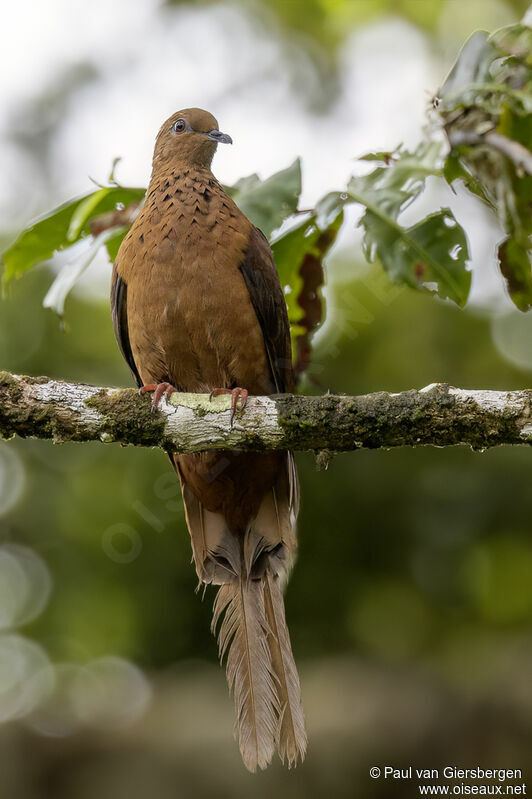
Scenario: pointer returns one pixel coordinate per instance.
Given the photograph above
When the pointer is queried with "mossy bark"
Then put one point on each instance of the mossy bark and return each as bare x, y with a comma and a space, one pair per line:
438, 415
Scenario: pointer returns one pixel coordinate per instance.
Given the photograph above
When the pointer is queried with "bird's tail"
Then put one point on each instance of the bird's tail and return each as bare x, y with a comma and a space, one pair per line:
261, 672
291, 734
249, 620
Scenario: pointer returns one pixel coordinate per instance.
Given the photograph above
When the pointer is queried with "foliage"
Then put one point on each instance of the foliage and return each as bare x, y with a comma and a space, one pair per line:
268, 203
104, 217
424, 258
299, 256
63, 227
484, 110
430, 255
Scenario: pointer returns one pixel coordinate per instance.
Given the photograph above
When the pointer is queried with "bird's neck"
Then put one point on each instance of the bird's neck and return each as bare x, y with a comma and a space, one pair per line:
178, 170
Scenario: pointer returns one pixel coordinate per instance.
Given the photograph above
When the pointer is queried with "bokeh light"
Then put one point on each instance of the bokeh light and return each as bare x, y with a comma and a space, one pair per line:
512, 334
110, 692
26, 676
25, 585
11, 478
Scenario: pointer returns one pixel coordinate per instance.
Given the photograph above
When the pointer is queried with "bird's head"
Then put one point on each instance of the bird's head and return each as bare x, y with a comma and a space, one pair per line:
189, 137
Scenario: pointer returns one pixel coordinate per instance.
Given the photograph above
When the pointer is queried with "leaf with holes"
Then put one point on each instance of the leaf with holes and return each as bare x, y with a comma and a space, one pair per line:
430, 255
63, 227
40, 240
299, 256
486, 112
269, 202
514, 262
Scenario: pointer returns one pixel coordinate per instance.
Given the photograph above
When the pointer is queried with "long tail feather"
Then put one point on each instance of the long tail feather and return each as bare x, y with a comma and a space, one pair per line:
249, 613
292, 736
242, 639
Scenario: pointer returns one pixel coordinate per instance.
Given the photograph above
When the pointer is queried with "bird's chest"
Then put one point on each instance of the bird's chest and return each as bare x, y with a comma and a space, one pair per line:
191, 255
192, 321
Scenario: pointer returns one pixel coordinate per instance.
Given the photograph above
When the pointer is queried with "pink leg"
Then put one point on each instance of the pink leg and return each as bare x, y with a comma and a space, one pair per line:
236, 393
159, 390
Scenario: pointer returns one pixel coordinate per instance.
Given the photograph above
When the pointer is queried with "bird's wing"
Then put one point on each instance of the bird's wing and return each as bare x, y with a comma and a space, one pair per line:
262, 281
119, 314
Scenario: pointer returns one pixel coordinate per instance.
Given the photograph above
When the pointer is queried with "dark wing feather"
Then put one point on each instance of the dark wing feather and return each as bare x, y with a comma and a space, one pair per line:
262, 281
119, 314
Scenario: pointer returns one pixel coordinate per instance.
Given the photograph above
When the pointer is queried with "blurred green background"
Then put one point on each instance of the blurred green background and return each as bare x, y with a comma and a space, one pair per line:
410, 607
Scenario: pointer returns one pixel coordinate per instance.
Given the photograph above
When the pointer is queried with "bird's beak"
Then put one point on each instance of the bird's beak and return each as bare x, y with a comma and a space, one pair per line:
219, 137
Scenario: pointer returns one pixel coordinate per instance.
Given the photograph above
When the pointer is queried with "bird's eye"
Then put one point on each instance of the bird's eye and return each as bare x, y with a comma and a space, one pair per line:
179, 126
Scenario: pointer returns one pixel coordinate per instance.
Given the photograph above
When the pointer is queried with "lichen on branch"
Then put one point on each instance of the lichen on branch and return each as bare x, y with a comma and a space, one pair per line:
437, 415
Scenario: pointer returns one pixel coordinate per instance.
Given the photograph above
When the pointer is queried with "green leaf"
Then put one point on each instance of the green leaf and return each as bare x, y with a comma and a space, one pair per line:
430, 255
242, 186
83, 212
62, 227
39, 241
393, 187
102, 201
328, 208
268, 203
454, 169
472, 66
514, 262
486, 111
69, 274
112, 244
385, 157
299, 256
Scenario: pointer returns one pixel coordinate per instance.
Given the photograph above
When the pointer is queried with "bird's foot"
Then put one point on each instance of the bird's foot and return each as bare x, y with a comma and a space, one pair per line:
160, 390
236, 394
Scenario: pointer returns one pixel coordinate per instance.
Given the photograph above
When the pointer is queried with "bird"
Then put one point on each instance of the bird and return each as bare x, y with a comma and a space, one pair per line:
197, 306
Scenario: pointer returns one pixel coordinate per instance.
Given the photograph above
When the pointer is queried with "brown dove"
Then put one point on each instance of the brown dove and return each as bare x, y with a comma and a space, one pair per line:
197, 306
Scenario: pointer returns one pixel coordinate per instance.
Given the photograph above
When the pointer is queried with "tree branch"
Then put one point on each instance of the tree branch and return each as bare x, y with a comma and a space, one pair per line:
438, 414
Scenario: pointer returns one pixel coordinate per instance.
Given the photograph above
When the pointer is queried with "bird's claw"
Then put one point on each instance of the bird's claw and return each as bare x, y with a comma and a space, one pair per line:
160, 390
236, 394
